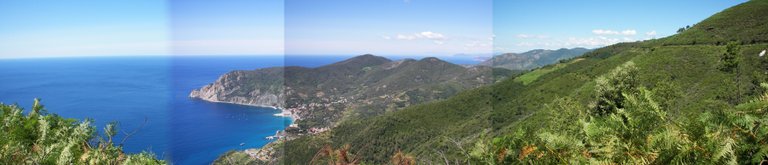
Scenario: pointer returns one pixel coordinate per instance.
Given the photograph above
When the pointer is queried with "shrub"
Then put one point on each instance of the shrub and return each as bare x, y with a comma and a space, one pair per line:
611, 89
41, 138
729, 59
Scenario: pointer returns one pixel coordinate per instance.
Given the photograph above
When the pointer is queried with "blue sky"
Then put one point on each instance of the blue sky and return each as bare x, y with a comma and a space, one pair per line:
56, 28
388, 27
551, 24
231, 27
50, 28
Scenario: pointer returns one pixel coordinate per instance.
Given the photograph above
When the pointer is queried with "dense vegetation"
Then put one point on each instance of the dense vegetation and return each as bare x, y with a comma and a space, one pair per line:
42, 138
535, 74
662, 101
743, 23
628, 125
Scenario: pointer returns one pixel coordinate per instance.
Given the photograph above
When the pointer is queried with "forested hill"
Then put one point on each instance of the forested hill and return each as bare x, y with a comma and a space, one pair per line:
695, 97
358, 87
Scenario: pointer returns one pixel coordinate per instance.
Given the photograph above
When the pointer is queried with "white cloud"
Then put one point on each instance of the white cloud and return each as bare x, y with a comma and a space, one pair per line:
405, 37
437, 38
628, 32
422, 35
601, 37
592, 41
430, 35
478, 44
525, 44
589, 42
651, 33
532, 36
604, 32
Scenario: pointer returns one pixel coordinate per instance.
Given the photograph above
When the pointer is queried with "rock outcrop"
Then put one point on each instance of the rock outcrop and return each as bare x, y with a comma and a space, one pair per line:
255, 88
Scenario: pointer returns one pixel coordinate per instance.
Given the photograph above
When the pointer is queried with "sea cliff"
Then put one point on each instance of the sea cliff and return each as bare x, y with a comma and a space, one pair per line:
262, 89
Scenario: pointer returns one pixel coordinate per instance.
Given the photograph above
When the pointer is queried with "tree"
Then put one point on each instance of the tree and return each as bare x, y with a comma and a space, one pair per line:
680, 30
729, 59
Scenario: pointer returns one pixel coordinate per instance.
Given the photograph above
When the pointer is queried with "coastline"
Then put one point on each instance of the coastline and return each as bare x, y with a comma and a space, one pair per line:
283, 112
261, 153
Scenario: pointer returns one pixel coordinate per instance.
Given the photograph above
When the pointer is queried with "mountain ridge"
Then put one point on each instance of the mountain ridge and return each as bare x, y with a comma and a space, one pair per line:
361, 86
533, 58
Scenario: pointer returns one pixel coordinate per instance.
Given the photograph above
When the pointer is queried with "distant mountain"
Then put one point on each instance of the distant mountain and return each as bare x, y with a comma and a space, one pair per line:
362, 86
533, 59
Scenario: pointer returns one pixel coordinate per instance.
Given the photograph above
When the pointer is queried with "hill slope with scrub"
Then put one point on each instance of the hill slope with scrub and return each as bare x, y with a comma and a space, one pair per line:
667, 100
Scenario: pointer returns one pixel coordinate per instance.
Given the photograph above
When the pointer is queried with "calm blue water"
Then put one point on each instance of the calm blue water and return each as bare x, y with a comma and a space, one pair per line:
126, 90
132, 90
200, 131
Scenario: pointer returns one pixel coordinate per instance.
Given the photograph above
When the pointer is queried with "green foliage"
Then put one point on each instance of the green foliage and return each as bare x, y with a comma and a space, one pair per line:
41, 138
611, 89
640, 132
729, 61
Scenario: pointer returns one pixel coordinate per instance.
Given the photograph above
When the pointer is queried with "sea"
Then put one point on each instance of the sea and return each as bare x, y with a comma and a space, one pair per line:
148, 95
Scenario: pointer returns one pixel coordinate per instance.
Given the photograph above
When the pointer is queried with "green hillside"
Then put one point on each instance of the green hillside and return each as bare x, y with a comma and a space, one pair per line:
743, 23
669, 100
